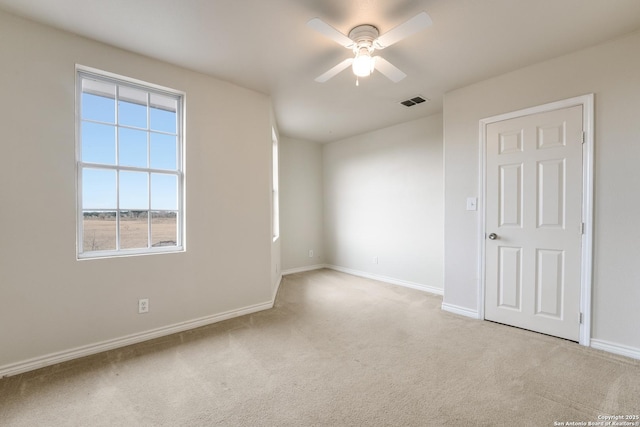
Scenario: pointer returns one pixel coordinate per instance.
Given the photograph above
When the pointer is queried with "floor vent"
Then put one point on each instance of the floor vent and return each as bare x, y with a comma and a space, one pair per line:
414, 101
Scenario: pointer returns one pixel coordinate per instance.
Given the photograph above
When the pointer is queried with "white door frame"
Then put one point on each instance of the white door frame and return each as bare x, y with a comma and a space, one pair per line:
587, 103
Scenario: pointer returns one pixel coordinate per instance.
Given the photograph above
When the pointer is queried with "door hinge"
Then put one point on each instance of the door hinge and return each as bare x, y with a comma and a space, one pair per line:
581, 318
582, 227
584, 138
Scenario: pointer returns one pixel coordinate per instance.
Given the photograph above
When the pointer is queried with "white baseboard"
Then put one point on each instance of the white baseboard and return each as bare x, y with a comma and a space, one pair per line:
390, 280
462, 311
614, 348
303, 269
87, 350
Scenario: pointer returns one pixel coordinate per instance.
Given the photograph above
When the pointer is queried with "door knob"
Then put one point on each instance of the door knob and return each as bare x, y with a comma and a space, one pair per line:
493, 236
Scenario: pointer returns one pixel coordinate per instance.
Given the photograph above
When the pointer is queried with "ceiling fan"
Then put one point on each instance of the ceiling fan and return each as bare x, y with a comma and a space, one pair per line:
364, 40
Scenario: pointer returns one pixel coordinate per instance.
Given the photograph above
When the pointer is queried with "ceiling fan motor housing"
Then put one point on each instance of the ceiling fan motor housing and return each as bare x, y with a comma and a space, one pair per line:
364, 37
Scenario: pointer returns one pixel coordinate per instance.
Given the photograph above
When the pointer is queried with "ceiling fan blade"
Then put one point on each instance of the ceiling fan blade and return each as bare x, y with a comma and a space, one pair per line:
335, 70
412, 26
328, 31
388, 69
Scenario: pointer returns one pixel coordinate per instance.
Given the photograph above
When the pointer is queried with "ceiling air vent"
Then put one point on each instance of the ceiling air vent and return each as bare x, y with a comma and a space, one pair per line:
414, 101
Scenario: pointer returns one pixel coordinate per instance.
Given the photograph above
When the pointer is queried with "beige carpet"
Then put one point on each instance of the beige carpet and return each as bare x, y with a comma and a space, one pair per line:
337, 350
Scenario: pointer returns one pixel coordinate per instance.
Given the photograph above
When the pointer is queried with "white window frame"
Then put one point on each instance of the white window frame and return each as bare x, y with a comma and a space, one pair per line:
92, 73
275, 194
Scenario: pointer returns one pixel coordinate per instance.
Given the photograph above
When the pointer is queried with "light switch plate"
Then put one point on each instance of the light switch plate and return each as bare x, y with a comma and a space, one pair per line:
472, 203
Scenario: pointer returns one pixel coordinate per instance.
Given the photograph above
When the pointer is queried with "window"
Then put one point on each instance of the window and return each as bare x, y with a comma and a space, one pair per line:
129, 166
276, 200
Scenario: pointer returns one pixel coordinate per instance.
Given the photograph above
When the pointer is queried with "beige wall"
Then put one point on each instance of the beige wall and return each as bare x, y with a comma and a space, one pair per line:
49, 301
383, 197
301, 203
611, 72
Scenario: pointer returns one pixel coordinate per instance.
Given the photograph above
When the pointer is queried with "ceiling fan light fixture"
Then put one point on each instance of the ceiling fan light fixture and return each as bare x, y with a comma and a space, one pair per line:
364, 40
363, 63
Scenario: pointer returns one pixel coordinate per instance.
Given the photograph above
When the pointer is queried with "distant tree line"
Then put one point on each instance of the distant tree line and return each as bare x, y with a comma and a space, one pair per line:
111, 215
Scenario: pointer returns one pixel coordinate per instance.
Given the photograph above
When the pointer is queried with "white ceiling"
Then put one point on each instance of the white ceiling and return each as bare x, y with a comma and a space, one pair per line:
265, 45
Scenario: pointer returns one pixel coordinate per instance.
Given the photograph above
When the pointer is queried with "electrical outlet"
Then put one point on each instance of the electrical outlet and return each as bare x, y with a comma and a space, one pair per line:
143, 305
310, 253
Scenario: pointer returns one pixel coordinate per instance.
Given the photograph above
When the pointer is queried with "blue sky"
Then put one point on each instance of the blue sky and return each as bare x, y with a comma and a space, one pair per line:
99, 146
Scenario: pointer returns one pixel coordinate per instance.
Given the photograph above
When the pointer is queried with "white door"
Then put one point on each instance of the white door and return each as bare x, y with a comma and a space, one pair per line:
533, 222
